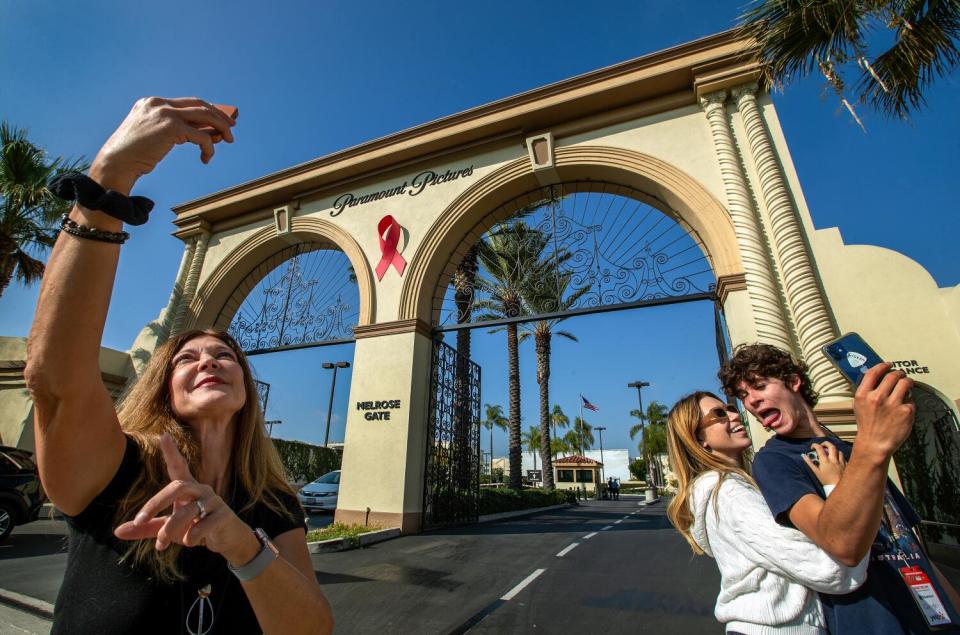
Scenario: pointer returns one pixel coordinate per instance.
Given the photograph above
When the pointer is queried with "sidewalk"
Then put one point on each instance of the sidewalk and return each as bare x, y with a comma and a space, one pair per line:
17, 622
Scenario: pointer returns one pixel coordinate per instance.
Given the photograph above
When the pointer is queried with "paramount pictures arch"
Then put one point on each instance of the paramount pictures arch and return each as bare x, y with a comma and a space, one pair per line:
686, 131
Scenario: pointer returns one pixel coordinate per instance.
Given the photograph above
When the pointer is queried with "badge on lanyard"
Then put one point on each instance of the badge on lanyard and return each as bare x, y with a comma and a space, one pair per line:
925, 595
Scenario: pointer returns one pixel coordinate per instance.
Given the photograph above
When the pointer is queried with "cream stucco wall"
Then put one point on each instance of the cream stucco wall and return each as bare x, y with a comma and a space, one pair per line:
414, 213
895, 305
16, 406
383, 461
657, 136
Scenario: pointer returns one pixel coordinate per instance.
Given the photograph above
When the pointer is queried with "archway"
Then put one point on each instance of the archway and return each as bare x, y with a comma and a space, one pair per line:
568, 249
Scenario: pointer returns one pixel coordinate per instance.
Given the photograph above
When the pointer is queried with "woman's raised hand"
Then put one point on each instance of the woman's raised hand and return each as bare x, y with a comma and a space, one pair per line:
831, 463
199, 516
151, 129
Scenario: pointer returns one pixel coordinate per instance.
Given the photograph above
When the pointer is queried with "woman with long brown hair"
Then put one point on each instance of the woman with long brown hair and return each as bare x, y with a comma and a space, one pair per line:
768, 572
179, 514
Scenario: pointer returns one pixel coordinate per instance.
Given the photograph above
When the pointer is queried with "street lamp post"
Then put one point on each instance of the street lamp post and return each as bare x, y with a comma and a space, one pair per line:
271, 424
600, 429
640, 385
333, 384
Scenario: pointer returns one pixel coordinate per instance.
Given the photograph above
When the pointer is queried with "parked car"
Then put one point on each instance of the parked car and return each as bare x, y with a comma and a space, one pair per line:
322, 493
21, 497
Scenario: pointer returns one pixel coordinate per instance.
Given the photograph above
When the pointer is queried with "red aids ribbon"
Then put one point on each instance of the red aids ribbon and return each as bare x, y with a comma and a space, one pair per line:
389, 232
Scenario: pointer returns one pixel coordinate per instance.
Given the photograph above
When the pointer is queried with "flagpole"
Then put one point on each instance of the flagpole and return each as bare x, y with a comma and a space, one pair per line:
581, 425
576, 482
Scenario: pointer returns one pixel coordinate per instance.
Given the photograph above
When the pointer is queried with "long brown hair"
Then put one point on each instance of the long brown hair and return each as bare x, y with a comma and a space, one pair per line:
689, 459
145, 413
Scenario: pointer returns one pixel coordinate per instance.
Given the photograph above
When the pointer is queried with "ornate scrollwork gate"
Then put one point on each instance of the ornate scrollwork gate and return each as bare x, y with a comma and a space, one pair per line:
452, 479
929, 466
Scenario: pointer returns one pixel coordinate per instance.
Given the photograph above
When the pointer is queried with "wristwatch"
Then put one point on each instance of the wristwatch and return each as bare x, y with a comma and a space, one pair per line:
268, 553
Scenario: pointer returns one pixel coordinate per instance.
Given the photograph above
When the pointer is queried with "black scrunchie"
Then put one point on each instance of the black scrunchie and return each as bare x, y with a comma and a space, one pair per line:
74, 186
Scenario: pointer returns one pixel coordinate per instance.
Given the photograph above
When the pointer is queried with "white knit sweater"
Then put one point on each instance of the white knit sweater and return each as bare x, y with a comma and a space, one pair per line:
767, 571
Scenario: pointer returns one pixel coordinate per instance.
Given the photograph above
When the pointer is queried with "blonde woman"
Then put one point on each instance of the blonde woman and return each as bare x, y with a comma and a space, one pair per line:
769, 573
179, 515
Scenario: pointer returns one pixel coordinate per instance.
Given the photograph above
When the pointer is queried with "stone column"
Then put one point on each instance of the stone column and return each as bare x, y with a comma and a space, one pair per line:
765, 299
808, 306
383, 460
173, 303
201, 241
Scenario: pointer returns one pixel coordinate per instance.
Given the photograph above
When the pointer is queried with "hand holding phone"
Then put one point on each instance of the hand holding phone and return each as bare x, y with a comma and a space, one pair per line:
852, 356
882, 402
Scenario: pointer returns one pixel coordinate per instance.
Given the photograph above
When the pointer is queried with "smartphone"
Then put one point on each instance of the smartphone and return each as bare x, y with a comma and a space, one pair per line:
852, 356
812, 455
231, 111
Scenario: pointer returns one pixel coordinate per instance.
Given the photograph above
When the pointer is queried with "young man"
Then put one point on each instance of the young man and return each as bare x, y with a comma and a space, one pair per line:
865, 513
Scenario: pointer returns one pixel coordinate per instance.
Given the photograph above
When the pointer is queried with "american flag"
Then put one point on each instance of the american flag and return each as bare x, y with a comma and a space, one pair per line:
588, 405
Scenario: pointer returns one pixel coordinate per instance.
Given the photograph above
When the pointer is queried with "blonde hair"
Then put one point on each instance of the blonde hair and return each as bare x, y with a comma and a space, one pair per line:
145, 413
689, 459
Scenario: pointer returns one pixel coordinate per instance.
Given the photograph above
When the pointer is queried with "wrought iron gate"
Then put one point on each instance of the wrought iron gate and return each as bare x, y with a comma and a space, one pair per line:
452, 472
929, 466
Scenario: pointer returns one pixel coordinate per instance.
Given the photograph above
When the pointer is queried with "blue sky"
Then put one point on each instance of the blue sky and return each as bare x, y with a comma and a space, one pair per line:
312, 78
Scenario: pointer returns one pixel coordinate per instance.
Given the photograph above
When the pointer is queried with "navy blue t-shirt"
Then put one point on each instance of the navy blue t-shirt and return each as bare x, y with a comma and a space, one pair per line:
883, 605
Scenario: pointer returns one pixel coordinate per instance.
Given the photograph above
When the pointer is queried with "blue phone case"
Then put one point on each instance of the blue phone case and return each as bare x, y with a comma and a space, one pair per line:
852, 356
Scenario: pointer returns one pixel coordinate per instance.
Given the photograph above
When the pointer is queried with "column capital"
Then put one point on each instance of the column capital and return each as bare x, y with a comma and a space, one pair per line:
196, 227
712, 101
745, 91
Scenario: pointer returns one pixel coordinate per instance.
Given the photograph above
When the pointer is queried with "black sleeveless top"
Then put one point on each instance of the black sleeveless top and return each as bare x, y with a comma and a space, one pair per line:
103, 596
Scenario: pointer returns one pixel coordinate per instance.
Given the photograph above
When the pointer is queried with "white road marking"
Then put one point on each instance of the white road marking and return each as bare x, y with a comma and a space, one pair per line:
627, 516
509, 595
606, 528
568, 549
590, 535
618, 522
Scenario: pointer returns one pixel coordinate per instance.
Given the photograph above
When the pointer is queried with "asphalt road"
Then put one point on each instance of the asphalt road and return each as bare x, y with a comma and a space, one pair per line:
604, 566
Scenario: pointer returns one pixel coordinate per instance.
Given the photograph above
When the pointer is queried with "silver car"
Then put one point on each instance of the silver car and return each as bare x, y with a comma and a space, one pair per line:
322, 493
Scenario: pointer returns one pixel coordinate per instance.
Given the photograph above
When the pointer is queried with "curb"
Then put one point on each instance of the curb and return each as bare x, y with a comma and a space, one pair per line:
645, 503
27, 603
490, 518
334, 545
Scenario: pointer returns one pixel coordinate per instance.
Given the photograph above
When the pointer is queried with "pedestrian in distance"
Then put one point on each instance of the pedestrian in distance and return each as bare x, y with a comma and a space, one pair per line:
179, 514
866, 515
616, 489
610, 487
768, 573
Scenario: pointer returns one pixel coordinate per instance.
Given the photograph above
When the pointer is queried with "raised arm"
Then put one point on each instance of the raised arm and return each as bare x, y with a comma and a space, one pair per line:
846, 524
78, 438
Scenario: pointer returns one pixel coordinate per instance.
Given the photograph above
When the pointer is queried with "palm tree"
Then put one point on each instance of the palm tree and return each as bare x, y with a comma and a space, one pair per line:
581, 436
557, 420
510, 257
464, 283
653, 439
560, 446
656, 414
546, 295
797, 37
29, 211
493, 417
531, 441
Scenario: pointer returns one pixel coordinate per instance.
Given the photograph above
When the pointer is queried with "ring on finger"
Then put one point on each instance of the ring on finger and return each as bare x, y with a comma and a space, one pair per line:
201, 508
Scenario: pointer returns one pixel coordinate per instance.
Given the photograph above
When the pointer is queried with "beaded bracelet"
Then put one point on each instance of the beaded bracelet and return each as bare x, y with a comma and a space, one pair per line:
73, 228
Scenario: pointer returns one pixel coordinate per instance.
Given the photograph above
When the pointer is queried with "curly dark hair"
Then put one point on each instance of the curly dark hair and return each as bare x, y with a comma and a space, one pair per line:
756, 361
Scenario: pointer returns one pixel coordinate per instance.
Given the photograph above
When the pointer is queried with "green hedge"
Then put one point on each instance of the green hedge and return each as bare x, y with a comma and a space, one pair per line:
495, 501
304, 462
